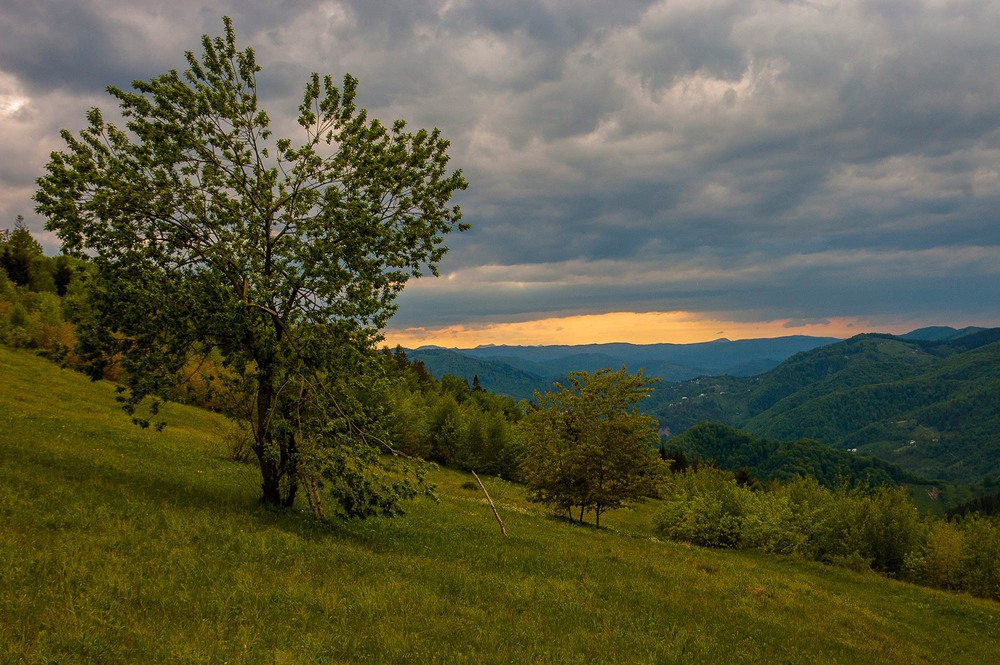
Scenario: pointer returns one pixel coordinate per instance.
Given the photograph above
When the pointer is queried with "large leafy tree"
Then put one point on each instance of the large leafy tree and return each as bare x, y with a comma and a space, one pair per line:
588, 447
211, 235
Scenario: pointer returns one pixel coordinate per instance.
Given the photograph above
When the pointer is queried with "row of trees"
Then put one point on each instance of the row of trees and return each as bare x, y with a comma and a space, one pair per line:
768, 459
23, 263
452, 423
853, 526
581, 448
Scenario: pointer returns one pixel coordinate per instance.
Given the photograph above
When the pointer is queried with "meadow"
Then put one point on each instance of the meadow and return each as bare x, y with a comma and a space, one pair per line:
125, 545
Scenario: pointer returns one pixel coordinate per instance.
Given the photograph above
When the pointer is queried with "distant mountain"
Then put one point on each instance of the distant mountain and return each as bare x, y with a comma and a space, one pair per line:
495, 376
721, 356
517, 370
940, 333
933, 407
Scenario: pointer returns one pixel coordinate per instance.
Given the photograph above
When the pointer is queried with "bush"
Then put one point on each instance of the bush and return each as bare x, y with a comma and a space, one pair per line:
703, 507
771, 524
891, 529
979, 570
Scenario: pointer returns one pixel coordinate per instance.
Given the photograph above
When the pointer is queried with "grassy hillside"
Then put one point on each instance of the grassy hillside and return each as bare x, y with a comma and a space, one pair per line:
123, 545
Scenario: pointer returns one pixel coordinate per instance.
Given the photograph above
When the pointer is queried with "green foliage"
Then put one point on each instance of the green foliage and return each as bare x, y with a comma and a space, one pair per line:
588, 447
209, 233
768, 459
984, 505
39, 319
801, 517
704, 508
452, 424
854, 527
961, 553
18, 253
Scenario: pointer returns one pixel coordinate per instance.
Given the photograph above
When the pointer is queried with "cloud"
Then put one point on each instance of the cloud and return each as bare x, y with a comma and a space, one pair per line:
802, 323
767, 160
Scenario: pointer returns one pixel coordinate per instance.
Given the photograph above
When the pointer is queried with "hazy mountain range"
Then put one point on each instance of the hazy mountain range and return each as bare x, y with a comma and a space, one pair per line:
518, 370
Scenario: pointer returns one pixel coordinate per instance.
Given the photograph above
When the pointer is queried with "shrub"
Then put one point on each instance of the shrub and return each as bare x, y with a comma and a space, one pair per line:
892, 528
704, 507
979, 571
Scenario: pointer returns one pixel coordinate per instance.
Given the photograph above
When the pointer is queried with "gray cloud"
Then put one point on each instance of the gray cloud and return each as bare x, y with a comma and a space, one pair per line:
798, 160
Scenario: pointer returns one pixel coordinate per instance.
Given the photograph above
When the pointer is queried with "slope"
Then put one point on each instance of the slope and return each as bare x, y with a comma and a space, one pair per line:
123, 545
494, 375
932, 407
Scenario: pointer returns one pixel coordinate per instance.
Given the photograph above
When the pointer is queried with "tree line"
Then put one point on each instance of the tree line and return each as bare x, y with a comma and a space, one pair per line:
38, 294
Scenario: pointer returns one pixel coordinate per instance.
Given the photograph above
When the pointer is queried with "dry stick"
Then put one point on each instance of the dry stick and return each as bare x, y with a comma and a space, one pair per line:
499, 521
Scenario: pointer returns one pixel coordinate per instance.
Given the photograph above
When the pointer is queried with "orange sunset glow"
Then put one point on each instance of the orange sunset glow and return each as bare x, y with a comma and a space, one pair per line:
631, 327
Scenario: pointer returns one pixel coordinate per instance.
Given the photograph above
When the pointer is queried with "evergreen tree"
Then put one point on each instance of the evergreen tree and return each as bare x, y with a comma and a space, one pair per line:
19, 253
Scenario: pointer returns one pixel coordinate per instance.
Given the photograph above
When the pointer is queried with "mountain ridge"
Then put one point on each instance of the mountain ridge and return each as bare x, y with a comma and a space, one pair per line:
511, 368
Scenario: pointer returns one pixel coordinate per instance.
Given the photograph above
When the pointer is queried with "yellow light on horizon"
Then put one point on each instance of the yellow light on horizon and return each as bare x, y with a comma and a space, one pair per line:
630, 327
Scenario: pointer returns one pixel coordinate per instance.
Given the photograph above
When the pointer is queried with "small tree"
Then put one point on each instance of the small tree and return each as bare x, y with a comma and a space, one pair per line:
588, 447
207, 232
19, 252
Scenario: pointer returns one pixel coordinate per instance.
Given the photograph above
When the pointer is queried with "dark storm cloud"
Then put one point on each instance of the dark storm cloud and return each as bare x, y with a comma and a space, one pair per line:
62, 45
768, 158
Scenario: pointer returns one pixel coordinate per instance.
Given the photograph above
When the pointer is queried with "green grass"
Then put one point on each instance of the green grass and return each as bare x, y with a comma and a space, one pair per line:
124, 545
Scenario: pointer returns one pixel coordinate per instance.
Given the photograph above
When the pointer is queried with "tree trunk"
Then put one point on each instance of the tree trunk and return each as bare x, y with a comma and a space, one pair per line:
277, 471
288, 472
279, 483
270, 483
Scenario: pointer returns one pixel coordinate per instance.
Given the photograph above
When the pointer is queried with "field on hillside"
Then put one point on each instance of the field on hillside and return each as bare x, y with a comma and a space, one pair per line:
126, 545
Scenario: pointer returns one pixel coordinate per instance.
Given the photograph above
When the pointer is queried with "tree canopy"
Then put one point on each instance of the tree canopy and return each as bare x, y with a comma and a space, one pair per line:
588, 446
285, 257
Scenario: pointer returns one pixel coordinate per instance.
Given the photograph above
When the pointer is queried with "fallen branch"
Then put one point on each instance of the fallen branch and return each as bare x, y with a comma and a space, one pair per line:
499, 521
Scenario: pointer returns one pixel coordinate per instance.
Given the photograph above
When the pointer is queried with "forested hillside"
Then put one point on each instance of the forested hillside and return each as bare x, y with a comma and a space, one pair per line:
769, 459
930, 406
494, 375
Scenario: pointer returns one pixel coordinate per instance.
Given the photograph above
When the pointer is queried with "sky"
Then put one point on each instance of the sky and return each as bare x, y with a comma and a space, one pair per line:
639, 171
